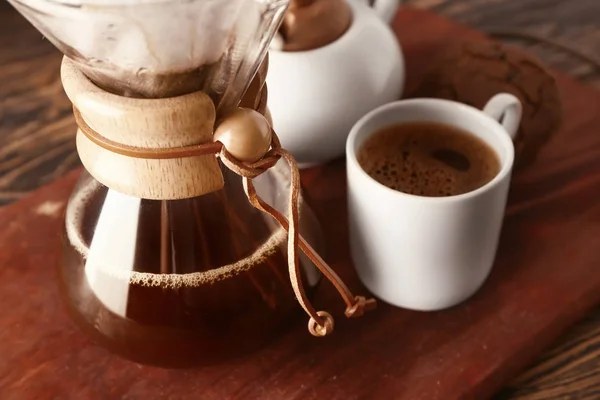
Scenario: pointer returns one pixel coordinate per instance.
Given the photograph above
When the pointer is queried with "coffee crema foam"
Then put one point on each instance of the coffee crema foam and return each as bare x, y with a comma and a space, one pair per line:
428, 159
74, 224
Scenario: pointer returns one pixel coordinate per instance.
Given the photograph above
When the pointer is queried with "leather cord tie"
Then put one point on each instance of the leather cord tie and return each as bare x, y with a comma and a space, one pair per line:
321, 322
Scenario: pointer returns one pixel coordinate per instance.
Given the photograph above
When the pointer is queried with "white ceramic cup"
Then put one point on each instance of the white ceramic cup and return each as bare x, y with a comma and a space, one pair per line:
429, 253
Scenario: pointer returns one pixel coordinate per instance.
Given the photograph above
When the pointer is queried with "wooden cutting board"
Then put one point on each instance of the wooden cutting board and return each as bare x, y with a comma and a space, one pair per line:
545, 278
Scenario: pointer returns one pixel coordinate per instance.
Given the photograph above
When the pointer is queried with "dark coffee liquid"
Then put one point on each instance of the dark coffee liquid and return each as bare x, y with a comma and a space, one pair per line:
206, 280
428, 159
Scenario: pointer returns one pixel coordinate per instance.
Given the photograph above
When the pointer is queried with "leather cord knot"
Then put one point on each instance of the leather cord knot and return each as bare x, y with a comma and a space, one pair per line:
361, 305
252, 170
319, 330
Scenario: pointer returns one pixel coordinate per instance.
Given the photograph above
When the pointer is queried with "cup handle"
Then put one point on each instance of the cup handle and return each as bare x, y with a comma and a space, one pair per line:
507, 110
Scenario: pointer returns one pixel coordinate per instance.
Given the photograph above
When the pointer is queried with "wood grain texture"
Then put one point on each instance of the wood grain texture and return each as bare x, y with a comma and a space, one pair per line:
574, 23
148, 124
37, 129
553, 220
37, 141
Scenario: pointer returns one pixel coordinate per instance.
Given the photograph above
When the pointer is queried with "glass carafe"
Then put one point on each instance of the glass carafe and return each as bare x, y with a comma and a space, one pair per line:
181, 282
178, 280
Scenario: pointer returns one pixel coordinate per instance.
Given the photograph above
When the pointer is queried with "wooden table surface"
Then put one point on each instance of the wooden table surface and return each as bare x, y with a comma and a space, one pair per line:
37, 146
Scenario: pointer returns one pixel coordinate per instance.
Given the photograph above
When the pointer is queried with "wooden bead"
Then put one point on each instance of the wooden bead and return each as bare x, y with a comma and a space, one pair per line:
245, 133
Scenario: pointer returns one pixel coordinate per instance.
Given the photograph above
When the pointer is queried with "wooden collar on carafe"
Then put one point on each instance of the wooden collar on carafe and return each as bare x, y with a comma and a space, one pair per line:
243, 140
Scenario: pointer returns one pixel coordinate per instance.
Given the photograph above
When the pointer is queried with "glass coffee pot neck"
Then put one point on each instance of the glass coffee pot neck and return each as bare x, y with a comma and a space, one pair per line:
162, 48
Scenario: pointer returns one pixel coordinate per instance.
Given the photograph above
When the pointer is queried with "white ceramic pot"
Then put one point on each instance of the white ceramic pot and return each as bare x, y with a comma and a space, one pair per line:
316, 96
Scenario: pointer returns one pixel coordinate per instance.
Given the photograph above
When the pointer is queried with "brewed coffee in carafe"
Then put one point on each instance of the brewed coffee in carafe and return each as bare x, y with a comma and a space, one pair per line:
168, 259
205, 278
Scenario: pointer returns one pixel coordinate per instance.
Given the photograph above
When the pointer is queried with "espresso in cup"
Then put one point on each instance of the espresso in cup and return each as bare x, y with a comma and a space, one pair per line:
428, 159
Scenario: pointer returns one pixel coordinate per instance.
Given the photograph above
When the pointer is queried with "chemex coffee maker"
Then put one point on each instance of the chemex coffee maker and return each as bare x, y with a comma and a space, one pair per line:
187, 240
